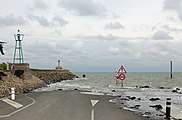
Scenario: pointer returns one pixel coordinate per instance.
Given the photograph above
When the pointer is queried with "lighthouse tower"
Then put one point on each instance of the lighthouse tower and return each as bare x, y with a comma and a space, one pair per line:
18, 53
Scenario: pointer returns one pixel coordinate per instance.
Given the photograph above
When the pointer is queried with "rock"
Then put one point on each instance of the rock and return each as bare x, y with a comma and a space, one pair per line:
53, 76
60, 89
161, 115
139, 98
146, 86
154, 99
177, 88
83, 75
126, 99
131, 97
2, 73
157, 107
113, 90
146, 113
137, 106
21, 86
161, 87
174, 91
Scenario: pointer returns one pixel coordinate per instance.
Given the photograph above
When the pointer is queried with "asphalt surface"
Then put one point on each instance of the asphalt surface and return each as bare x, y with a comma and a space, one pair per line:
64, 105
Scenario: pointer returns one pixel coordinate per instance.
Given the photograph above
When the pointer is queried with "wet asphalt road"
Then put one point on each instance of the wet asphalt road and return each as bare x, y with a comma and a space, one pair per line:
68, 105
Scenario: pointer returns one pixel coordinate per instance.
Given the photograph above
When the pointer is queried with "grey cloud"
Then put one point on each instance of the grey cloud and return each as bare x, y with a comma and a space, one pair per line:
175, 5
161, 35
83, 7
108, 37
115, 25
60, 21
98, 37
43, 21
11, 20
90, 53
39, 5
44, 51
173, 29
172, 4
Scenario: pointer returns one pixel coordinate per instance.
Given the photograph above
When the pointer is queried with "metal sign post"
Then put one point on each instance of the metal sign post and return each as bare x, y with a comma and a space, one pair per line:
122, 83
116, 75
116, 82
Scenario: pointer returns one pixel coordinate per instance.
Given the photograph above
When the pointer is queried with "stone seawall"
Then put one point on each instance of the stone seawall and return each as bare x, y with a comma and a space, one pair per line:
25, 79
20, 85
47, 75
52, 76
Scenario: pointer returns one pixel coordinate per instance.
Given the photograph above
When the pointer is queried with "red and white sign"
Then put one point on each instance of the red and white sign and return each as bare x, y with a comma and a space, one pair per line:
121, 73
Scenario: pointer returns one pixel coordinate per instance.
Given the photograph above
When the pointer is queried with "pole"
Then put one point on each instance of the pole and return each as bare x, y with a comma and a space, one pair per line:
170, 75
12, 93
116, 81
168, 108
121, 83
7, 67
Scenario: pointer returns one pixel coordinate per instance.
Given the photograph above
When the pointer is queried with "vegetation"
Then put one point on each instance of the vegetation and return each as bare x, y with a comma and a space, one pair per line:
3, 66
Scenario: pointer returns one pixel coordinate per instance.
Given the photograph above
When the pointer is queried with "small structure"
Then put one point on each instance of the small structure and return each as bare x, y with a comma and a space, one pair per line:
24, 67
18, 53
59, 67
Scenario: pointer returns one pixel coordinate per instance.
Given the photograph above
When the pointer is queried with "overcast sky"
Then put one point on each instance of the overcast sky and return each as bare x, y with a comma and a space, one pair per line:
95, 35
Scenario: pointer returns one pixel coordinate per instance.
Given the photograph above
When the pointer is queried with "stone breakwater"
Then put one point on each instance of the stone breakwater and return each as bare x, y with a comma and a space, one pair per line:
20, 85
32, 79
53, 76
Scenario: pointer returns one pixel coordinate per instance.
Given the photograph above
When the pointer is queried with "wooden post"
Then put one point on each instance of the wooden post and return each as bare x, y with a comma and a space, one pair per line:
171, 74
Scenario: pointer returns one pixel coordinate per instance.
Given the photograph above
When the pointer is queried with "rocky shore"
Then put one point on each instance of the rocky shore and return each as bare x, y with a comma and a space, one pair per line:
36, 79
52, 76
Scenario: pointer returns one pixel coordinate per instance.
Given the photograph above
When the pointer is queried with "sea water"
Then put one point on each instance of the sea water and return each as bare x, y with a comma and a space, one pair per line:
102, 79
160, 86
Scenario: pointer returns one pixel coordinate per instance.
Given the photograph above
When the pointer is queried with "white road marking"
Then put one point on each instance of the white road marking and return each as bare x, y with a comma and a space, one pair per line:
33, 102
92, 115
92, 93
94, 102
12, 103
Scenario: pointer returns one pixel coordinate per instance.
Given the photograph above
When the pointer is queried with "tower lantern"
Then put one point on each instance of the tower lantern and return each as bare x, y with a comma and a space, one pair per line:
59, 66
18, 53
59, 62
